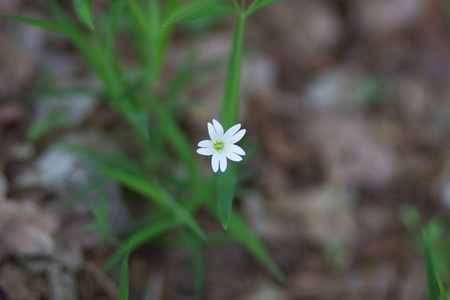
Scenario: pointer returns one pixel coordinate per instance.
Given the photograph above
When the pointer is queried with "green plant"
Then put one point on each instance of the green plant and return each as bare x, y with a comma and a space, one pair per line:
438, 235
432, 275
172, 197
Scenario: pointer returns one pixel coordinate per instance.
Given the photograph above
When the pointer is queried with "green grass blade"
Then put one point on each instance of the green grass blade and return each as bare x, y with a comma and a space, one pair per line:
259, 4
230, 102
174, 14
110, 159
226, 183
203, 12
124, 284
432, 292
84, 12
195, 248
41, 126
184, 76
246, 237
139, 238
116, 9
244, 234
48, 25
158, 195
177, 138
140, 120
441, 288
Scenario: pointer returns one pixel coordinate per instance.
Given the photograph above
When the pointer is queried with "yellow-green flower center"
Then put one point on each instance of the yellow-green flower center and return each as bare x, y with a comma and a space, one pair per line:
219, 145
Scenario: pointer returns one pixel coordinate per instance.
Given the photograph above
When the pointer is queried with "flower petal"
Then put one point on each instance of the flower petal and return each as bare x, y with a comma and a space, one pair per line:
230, 132
223, 162
219, 128
235, 149
237, 137
233, 156
215, 162
205, 151
206, 144
212, 132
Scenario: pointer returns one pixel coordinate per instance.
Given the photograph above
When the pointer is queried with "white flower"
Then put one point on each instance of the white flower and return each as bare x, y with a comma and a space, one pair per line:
221, 146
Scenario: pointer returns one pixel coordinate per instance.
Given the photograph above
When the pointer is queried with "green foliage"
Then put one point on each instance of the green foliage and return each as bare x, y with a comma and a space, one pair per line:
100, 224
441, 288
84, 12
123, 285
258, 4
438, 235
43, 125
226, 184
432, 292
203, 12
163, 173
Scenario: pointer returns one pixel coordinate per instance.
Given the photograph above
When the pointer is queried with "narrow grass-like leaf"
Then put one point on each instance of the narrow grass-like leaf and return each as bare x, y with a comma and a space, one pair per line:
195, 248
170, 16
230, 102
116, 9
139, 238
129, 91
177, 138
432, 291
226, 183
43, 125
441, 288
110, 159
244, 234
85, 190
155, 193
183, 77
124, 284
259, 4
48, 25
203, 12
140, 120
83, 10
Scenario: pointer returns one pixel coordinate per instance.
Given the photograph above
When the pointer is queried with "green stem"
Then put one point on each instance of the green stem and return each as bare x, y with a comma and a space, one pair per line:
230, 103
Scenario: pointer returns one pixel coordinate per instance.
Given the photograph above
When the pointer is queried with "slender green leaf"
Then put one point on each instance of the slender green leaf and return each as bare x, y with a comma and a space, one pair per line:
85, 190
124, 285
110, 159
177, 138
195, 248
139, 238
155, 193
43, 125
203, 12
140, 121
84, 12
230, 105
226, 183
64, 29
244, 234
432, 292
170, 16
230, 102
130, 91
258, 5
183, 77
116, 9
441, 288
